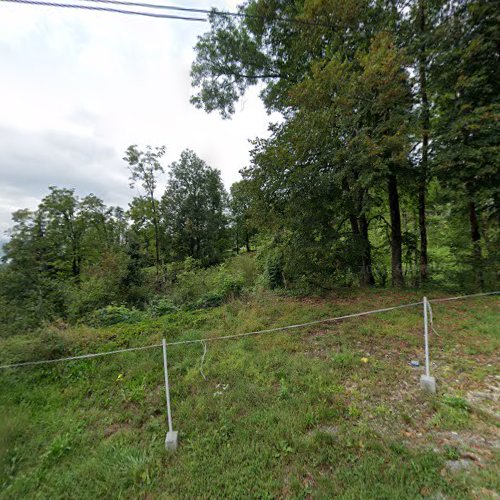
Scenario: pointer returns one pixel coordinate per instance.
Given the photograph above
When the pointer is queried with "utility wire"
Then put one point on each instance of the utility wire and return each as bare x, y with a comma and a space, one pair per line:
213, 11
109, 9
208, 12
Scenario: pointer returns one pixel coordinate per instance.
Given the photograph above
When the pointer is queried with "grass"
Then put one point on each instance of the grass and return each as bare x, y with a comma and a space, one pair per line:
296, 414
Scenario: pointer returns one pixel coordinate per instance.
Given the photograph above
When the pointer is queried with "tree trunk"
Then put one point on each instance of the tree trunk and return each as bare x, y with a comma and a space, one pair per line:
355, 232
366, 272
157, 240
247, 240
396, 239
477, 257
237, 243
359, 227
425, 123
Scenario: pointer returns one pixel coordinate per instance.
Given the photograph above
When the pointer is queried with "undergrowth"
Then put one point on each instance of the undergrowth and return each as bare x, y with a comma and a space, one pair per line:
330, 411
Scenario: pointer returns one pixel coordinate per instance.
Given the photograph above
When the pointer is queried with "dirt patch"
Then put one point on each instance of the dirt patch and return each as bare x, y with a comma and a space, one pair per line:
113, 429
487, 399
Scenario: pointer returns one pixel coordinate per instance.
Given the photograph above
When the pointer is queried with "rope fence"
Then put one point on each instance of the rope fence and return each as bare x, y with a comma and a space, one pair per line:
240, 335
427, 382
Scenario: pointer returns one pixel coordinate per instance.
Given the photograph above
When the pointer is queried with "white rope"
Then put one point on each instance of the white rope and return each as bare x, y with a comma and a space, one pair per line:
196, 341
429, 308
464, 297
239, 335
301, 325
83, 356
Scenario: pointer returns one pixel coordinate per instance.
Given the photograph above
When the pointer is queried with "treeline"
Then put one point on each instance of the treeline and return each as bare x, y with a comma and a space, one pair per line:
387, 157
383, 170
74, 255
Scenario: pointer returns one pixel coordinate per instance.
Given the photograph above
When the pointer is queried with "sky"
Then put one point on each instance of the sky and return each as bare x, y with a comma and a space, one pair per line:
78, 87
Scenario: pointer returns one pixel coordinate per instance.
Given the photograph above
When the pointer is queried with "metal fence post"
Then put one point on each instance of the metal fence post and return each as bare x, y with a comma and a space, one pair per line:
171, 439
427, 383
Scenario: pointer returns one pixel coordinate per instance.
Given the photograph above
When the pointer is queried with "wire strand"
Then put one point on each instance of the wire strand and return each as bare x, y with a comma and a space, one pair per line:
208, 339
464, 297
290, 327
108, 9
207, 12
83, 356
203, 359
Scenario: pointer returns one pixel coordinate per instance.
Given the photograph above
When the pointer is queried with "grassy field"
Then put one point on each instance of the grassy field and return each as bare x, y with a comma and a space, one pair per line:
328, 411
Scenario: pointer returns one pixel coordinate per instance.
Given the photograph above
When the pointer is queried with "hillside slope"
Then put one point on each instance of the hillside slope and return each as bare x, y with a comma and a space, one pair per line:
332, 410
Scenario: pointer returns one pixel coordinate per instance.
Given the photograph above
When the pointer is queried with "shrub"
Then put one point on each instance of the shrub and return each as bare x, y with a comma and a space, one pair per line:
200, 288
111, 315
273, 270
210, 299
228, 286
159, 306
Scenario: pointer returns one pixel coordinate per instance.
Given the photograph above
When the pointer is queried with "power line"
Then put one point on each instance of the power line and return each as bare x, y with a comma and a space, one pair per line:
167, 7
212, 11
207, 12
109, 9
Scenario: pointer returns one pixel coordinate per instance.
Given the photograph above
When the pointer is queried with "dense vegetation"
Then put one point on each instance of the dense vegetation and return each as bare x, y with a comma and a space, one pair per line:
379, 183
287, 415
387, 155
383, 169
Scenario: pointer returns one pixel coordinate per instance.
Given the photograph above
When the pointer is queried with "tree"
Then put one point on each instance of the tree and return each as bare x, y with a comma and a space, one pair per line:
466, 72
144, 166
304, 68
194, 205
240, 207
59, 216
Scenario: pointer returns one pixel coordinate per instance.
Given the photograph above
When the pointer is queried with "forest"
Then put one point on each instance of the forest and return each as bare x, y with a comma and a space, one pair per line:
382, 171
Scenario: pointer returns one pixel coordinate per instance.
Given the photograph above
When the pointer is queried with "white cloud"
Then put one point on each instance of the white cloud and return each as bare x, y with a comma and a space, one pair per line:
78, 87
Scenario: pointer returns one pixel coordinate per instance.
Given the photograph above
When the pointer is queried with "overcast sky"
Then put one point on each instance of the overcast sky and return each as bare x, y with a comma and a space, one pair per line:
78, 87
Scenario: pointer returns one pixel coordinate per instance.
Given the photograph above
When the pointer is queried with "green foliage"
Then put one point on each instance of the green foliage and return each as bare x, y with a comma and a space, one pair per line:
344, 177
112, 315
228, 285
275, 416
273, 269
451, 413
383, 166
193, 210
242, 224
200, 288
160, 306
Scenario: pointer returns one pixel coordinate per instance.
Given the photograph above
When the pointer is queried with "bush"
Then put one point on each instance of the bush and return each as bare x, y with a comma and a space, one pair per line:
159, 306
245, 265
273, 270
228, 286
111, 315
210, 299
200, 288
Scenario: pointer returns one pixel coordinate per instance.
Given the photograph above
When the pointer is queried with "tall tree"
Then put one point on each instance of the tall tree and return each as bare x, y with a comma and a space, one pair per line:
425, 124
467, 72
240, 207
144, 167
236, 54
194, 206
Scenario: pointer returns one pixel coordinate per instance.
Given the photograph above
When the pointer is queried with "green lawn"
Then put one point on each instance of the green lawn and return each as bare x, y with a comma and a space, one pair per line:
289, 414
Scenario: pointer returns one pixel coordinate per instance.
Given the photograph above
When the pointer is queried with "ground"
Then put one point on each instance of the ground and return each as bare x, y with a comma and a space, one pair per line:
331, 410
